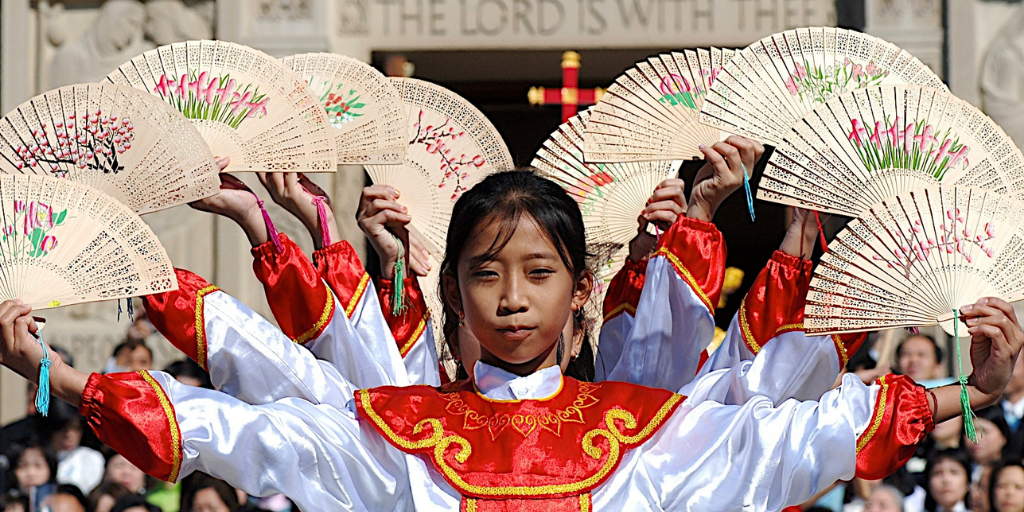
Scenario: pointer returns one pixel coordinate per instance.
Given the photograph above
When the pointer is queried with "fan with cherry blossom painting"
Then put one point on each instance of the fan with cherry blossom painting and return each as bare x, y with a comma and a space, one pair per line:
451, 146
912, 259
114, 138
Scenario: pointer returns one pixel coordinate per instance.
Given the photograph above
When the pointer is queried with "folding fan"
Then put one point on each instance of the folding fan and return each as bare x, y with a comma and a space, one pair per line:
450, 146
364, 108
611, 196
913, 258
64, 243
651, 112
773, 82
245, 103
868, 144
123, 142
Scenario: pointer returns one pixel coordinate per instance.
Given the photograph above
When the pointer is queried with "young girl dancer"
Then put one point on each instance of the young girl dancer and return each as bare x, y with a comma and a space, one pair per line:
518, 435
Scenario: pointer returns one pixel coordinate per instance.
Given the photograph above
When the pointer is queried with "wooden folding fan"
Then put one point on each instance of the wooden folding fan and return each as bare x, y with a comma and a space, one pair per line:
64, 243
364, 108
611, 196
770, 84
651, 112
913, 258
450, 146
868, 144
121, 141
247, 105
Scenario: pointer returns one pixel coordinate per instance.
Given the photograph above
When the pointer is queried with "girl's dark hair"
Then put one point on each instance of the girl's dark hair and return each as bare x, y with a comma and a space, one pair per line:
192, 484
957, 455
18, 452
505, 197
113, 489
993, 477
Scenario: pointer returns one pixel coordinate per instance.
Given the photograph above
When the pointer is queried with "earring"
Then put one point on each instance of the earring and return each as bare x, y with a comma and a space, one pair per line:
462, 319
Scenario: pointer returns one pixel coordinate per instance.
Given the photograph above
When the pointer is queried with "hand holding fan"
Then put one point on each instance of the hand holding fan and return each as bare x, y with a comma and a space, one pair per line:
450, 146
651, 112
245, 103
869, 144
914, 258
363, 107
773, 82
121, 141
65, 243
611, 196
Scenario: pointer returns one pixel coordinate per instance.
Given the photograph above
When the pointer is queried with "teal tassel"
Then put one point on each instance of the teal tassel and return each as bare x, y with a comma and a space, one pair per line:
398, 305
746, 188
43, 393
965, 401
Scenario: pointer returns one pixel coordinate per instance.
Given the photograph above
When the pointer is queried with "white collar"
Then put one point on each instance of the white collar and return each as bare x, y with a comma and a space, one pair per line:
1016, 408
498, 384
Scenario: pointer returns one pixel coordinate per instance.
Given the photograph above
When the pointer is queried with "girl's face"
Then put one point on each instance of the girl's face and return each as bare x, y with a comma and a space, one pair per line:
1009, 491
32, 469
125, 473
517, 303
948, 483
881, 501
207, 500
990, 446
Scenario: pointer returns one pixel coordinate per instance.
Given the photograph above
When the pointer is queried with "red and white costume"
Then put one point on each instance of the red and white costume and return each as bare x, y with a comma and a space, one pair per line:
539, 442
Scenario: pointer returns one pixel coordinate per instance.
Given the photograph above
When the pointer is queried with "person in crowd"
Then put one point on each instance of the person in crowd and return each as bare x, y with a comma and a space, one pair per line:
120, 470
14, 501
1006, 487
76, 464
130, 355
201, 492
884, 498
920, 358
980, 490
188, 372
134, 503
992, 430
67, 498
1013, 412
103, 497
948, 481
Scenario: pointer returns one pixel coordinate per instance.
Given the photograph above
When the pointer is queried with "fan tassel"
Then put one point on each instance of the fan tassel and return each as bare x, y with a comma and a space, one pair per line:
119, 311
43, 392
746, 188
821, 232
398, 305
965, 401
321, 212
271, 230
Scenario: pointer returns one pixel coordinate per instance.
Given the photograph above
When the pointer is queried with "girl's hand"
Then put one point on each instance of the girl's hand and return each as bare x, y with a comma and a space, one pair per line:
236, 202
299, 195
665, 205
996, 340
21, 352
722, 174
801, 235
382, 219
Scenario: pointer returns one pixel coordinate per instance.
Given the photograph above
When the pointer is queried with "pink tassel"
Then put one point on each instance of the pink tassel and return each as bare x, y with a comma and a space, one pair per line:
271, 230
821, 232
321, 211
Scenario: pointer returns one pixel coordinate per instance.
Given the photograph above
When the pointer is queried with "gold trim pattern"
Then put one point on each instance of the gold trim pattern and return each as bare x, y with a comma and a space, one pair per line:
470, 505
440, 443
357, 295
844, 357
201, 325
404, 350
748, 336
525, 424
880, 406
585, 502
320, 323
622, 308
172, 423
687, 276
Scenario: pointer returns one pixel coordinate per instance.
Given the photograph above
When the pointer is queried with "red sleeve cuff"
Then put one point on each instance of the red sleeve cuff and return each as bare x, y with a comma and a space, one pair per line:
339, 265
131, 413
900, 421
775, 302
178, 314
697, 252
298, 297
624, 290
409, 326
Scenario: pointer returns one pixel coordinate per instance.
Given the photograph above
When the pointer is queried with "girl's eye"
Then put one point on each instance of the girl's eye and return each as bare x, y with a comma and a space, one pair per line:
541, 272
485, 273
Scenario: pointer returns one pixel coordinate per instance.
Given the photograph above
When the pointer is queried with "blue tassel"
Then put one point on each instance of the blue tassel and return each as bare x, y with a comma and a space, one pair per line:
746, 188
131, 310
43, 393
118, 310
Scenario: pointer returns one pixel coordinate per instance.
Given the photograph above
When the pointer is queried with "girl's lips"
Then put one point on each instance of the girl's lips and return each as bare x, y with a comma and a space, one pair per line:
516, 334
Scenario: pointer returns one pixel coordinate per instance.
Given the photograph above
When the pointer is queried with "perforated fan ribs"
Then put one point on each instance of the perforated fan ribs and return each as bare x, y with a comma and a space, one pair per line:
64, 243
916, 256
772, 83
116, 139
246, 104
